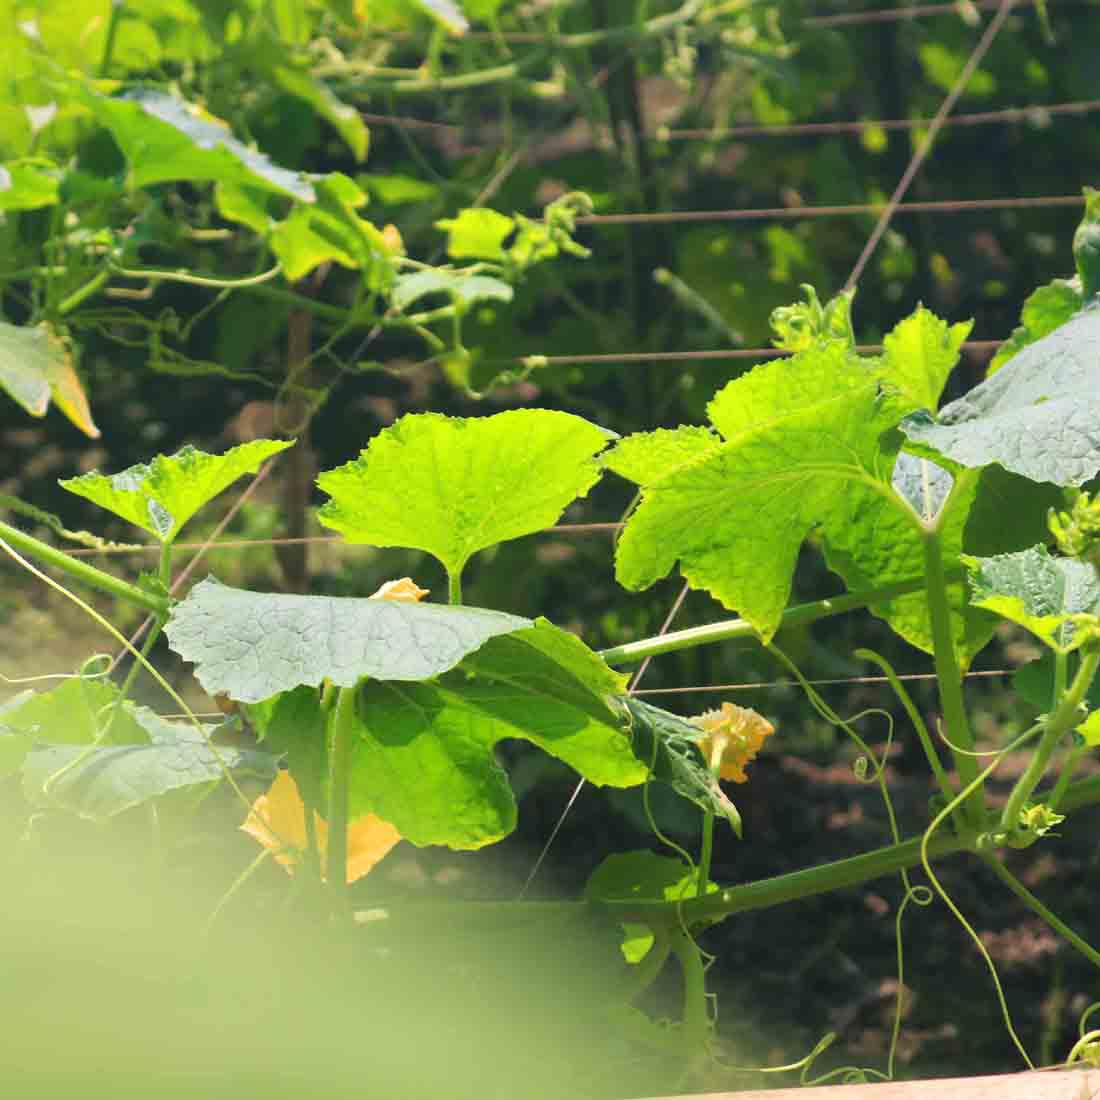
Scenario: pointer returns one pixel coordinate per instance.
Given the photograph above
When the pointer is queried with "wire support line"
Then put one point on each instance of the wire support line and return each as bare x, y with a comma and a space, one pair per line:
839, 681
944, 206
979, 346
928, 142
308, 540
1035, 114
903, 14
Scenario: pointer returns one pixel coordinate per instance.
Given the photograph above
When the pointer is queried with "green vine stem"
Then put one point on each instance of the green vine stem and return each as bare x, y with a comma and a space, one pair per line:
1065, 717
1037, 907
84, 573
342, 721
695, 1022
733, 629
454, 587
948, 668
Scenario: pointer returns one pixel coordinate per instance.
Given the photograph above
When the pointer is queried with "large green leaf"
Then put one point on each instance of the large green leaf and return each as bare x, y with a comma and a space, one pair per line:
28, 185
455, 486
1037, 416
35, 366
1040, 592
162, 496
115, 778
423, 758
164, 138
253, 645
646, 457
806, 446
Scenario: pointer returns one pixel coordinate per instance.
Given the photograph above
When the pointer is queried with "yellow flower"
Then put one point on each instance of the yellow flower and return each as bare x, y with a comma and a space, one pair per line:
732, 736
278, 821
406, 590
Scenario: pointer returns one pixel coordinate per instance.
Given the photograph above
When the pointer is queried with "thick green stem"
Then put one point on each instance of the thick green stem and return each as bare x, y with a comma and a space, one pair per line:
732, 629
84, 573
696, 1023
454, 587
949, 671
83, 293
1065, 717
789, 887
113, 20
343, 730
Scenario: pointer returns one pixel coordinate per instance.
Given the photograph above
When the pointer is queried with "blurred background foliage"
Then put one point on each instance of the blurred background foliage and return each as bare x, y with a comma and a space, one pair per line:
648, 106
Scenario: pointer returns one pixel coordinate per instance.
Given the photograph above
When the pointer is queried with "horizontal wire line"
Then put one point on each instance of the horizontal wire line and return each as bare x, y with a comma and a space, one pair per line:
902, 14
946, 206
1035, 114
986, 673
704, 356
844, 19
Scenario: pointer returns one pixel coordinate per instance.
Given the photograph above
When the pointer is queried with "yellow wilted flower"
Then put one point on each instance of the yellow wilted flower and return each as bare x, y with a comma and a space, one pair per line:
732, 736
278, 821
405, 589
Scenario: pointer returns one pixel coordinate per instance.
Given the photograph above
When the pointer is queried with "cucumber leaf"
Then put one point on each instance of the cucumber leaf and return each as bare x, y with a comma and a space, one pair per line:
162, 496
253, 645
454, 486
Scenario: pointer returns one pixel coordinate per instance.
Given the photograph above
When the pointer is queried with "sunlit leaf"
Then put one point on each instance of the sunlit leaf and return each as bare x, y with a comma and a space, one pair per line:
477, 233
253, 645
455, 486
34, 366
1043, 311
162, 496
164, 138
646, 457
1046, 595
463, 289
27, 185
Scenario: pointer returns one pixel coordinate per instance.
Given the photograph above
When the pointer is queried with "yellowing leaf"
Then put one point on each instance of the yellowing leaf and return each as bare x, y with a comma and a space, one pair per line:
278, 822
733, 735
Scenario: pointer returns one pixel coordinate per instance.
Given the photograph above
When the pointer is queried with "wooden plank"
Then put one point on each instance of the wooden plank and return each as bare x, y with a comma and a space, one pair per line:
1079, 1083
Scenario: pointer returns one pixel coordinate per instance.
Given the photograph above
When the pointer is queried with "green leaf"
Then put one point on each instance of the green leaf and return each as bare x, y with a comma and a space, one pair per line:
1043, 311
642, 876
330, 230
646, 457
292, 724
28, 185
463, 289
477, 233
795, 432
455, 486
806, 446
116, 778
423, 758
1034, 683
164, 138
162, 496
253, 645
74, 713
1003, 494
668, 745
1089, 729
801, 326
1036, 416
920, 353
343, 118
246, 205
35, 366
1039, 592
